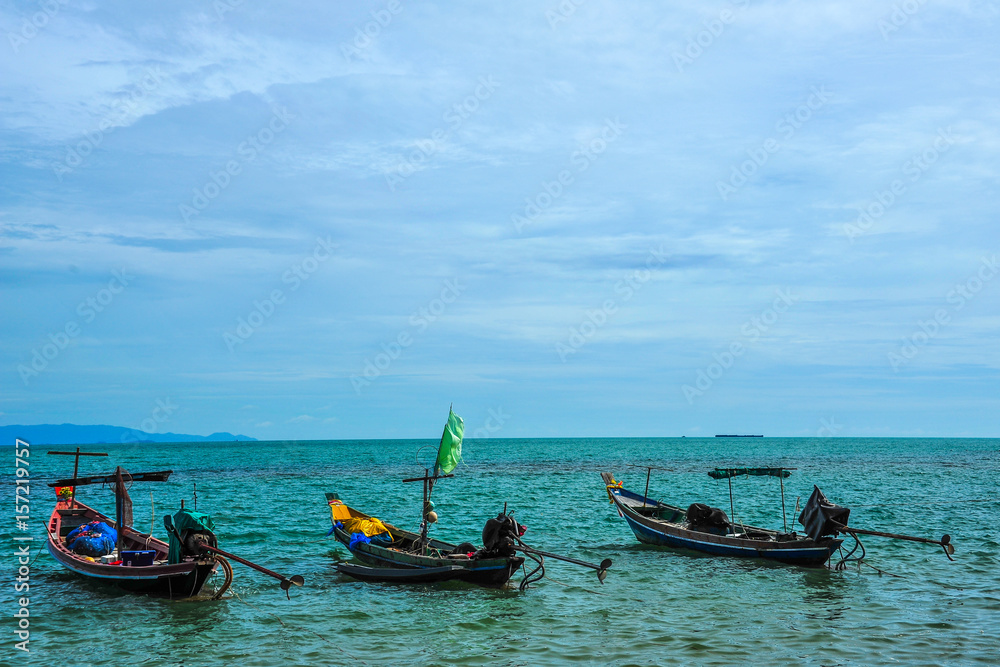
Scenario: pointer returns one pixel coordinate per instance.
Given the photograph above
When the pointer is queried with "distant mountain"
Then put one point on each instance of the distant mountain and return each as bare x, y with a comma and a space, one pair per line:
72, 434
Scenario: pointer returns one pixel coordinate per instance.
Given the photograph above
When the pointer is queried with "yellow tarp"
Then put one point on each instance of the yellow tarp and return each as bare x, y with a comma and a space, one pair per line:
370, 527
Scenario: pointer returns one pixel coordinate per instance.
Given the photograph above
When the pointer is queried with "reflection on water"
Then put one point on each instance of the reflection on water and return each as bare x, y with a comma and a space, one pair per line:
825, 593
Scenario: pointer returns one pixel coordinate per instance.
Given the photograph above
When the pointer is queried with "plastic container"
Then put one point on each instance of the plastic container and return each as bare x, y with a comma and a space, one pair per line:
137, 558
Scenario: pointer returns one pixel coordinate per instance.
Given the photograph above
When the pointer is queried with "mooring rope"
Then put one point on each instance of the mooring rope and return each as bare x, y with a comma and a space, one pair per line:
37, 554
901, 576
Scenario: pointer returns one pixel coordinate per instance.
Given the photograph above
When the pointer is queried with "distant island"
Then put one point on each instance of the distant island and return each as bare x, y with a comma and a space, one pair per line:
738, 436
73, 434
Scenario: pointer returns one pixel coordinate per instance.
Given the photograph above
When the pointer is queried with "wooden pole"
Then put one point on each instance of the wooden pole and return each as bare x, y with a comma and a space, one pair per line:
423, 515
119, 508
945, 540
601, 569
76, 469
732, 510
645, 495
783, 521
286, 582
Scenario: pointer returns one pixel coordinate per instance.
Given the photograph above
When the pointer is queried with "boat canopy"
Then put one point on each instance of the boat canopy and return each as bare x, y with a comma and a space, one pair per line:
729, 473
159, 476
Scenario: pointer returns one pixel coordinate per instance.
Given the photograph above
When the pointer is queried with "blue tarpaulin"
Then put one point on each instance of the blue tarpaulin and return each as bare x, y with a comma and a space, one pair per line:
94, 539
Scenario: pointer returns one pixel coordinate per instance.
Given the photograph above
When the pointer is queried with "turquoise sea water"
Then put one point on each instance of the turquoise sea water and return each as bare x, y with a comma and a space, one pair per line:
657, 606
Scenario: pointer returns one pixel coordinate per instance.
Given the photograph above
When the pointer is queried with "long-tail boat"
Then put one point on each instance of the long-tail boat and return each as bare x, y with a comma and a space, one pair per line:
709, 530
138, 562
393, 548
394, 555
115, 554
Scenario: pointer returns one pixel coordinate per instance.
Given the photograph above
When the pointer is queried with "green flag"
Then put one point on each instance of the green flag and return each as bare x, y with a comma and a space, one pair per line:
450, 451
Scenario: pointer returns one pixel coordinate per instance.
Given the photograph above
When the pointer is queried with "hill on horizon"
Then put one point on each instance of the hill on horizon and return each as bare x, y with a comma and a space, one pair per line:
73, 434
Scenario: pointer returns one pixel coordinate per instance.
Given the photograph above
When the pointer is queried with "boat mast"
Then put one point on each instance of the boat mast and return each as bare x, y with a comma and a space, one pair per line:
784, 522
428, 480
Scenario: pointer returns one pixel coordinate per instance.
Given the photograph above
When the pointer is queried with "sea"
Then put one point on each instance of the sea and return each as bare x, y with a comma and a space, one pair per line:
905, 604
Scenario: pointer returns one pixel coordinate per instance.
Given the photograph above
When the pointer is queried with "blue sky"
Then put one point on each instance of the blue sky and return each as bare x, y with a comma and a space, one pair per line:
333, 220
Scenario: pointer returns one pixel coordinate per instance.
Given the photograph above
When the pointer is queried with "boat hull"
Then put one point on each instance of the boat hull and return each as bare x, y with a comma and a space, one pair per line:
395, 575
180, 580
487, 572
770, 545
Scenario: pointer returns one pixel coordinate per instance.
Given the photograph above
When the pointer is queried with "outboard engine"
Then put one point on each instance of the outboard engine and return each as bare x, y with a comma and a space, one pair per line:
700, 515
500, 535
193, 541
189, 531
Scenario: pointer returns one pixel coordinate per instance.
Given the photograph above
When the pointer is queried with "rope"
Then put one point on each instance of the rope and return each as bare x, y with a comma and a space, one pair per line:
608, 487
842, 565
37, 554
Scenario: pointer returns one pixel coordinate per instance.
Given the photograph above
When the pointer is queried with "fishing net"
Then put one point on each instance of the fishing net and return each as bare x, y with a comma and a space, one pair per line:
94, 539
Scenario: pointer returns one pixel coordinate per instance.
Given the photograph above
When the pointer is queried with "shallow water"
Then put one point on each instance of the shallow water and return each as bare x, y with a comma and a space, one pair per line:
657, 606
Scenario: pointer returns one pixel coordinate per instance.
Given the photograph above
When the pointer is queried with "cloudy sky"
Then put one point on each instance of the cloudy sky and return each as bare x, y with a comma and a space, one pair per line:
333, 220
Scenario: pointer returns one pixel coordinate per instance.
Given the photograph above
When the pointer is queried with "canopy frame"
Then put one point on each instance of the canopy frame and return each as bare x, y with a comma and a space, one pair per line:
728, 474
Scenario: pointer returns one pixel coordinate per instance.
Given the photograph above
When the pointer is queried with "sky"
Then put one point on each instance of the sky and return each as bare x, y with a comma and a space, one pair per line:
567, 219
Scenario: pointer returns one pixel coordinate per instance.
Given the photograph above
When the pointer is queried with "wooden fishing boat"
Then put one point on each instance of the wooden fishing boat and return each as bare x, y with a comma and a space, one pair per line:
402, 549
658, 523
150, 573
111, 552
408, 557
